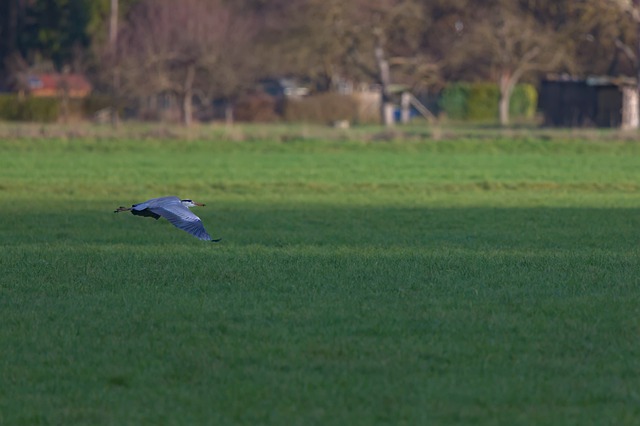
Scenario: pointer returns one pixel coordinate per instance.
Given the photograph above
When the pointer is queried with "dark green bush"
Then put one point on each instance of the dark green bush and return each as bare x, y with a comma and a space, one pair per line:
524, 101
8, 107
454, 100
47, 110
43, 110
482, 103
479, 101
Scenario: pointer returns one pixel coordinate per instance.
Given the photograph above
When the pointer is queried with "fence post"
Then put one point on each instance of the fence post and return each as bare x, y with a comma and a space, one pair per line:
405, 107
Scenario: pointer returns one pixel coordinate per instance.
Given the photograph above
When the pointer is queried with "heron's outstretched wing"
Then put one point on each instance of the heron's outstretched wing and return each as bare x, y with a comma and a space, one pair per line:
156, 202
145, 208
181, 217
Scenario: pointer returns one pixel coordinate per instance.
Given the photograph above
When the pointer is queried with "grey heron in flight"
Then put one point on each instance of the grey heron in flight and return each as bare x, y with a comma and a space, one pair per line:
175, 211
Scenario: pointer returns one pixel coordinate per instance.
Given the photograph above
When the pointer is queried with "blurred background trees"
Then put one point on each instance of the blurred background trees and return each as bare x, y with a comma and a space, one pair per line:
507, 41
196, 50
204, 51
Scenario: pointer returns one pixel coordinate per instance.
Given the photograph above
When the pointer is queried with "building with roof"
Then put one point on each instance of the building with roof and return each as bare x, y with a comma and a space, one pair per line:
54, 84
596, 101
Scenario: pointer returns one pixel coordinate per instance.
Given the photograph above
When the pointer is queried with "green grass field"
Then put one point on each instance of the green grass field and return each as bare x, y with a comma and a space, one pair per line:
484, 281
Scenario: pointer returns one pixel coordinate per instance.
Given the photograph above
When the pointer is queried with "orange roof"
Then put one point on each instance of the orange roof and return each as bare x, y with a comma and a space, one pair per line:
50, 84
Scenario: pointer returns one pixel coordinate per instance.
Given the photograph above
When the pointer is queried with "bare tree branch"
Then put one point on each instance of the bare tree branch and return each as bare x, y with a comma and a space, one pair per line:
627, 50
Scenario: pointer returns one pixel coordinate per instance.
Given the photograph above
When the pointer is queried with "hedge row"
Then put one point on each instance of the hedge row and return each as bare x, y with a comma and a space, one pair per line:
479, 101
47, 110
460, 101
324, 108
28, 109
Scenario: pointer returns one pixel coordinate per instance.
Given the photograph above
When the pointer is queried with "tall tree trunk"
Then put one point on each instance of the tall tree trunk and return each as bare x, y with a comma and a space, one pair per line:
386, 105
506, 89
115, 71
63, 89
635, 124
630, 108
504, 109
187, 106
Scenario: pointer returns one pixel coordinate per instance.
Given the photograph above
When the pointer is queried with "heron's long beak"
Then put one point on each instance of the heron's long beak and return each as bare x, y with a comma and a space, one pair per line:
199, 204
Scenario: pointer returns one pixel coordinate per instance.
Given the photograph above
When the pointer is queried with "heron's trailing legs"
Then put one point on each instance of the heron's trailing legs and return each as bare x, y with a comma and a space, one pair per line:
122, 209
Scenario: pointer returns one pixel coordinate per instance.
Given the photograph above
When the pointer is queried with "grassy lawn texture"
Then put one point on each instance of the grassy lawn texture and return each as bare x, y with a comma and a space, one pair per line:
469, 281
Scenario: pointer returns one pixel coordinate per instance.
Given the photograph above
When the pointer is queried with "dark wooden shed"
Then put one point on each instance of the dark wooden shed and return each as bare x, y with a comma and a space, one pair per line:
588, 102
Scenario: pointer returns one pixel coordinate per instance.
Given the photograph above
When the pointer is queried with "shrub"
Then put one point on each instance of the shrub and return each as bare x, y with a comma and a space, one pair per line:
524, 101
48, 110
256, 107
324, 108
454, 100
29, 109
40, 109
8, 107
479, 101
482, 103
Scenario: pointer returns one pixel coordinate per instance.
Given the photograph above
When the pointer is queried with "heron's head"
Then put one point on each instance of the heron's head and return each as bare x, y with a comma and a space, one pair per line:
190, 203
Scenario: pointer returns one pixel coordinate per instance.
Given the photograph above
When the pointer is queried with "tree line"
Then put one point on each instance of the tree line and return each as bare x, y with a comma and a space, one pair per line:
217, 49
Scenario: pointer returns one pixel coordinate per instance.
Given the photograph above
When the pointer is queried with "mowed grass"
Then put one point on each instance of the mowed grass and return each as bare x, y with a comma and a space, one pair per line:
479, 282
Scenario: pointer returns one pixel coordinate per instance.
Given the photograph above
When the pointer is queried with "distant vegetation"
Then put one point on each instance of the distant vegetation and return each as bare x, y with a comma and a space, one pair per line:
145, 53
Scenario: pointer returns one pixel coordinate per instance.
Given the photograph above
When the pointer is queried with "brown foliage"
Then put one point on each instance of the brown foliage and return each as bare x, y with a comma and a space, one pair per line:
256, 107
325, 108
